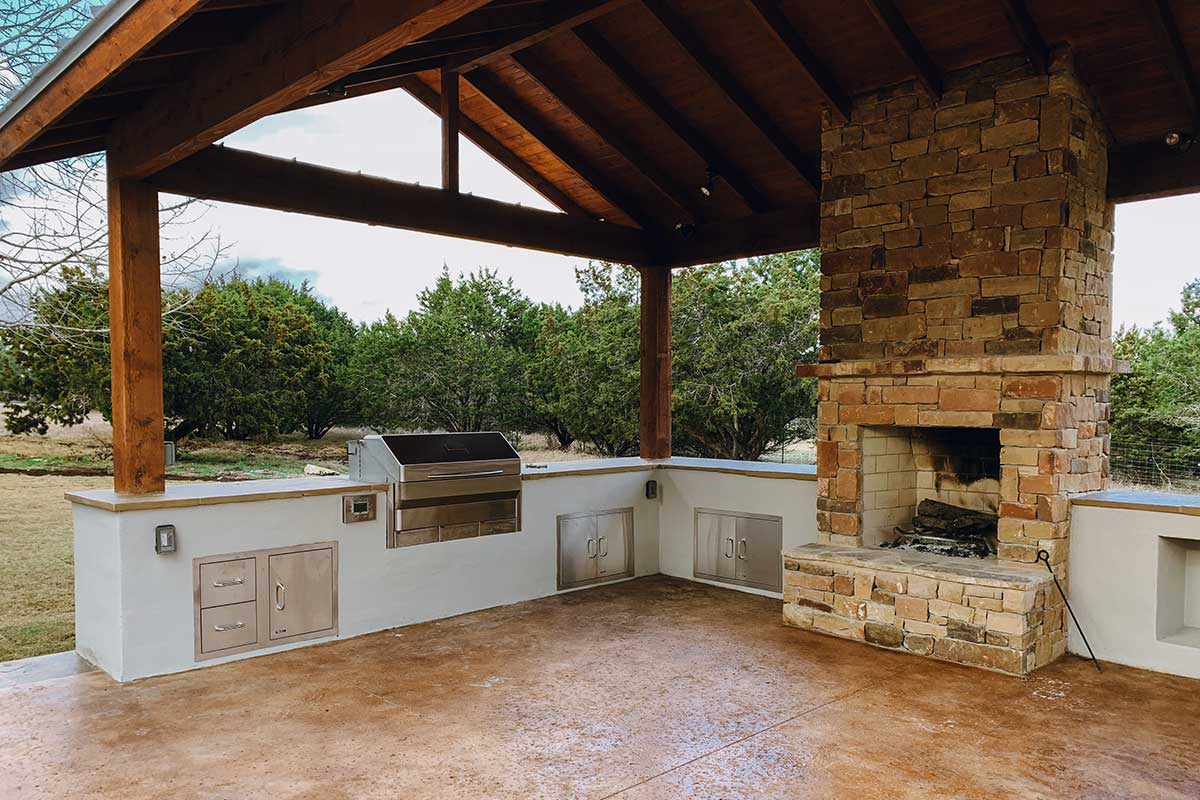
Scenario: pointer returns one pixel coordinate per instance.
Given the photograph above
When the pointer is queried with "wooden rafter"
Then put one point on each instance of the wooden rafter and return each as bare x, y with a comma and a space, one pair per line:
1177, 56
908, 44
563, 90
450, 126
307, 44
236, 176
1026, 30
699, 144
786, 34
501, 96
564, 15
427, 97
707, 61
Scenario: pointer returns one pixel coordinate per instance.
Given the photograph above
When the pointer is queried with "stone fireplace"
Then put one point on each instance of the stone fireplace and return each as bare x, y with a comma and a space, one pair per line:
965, 357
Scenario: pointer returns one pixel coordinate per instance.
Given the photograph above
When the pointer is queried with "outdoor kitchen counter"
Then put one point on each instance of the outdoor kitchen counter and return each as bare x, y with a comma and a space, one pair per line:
214, 493
603, 466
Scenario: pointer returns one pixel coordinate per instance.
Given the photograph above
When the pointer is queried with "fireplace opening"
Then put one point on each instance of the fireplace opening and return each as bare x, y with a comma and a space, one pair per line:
934, 490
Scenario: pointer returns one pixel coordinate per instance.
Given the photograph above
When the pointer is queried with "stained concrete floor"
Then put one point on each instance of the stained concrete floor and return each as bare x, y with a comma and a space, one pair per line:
655, 688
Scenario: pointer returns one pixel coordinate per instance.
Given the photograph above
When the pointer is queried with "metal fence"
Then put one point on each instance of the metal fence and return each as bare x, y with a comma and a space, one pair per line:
1162, 462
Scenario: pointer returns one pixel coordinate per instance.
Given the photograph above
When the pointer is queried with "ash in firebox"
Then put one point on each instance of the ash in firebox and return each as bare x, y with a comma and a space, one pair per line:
948, 530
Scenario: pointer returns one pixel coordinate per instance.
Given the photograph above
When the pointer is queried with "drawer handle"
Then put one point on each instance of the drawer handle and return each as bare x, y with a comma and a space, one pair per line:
228, 583
604, 547
729, 552
280, 596
591, 548
232, 627
742, 549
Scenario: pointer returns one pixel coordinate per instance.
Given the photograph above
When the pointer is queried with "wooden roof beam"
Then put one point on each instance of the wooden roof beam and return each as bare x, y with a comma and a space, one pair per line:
427, 97
563, 90
707, 61
760, 234
699, 144
236, 176
1026, 30
786, 34
565, 15
1150, 171
1181, 67
908, 44
307, 44
515, 109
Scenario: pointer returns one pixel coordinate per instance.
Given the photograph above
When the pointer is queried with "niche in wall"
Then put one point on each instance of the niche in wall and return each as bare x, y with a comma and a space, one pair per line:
1178, 611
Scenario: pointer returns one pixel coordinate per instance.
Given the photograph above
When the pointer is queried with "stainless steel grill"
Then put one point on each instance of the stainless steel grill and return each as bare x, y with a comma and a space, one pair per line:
443, 485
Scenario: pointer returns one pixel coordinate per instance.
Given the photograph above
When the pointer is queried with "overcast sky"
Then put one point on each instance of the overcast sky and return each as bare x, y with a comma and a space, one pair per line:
367, 271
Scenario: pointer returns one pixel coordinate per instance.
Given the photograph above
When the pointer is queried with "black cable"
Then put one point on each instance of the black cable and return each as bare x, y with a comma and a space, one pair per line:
1044, 557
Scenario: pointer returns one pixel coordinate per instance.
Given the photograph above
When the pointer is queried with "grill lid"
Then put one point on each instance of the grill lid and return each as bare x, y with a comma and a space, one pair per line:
448, 448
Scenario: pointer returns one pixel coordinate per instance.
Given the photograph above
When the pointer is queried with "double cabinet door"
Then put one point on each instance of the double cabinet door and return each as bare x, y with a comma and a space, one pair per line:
594, 547
737, 548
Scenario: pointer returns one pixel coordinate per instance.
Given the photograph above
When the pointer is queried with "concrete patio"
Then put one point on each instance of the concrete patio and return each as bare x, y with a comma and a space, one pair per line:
645, 689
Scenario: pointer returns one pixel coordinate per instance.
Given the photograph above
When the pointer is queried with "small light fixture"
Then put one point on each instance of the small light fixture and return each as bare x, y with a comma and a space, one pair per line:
1177, 140
685, 229
710, 182
338, 90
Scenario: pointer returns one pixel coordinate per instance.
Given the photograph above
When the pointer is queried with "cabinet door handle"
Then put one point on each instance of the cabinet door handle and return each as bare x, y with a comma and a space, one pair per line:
603, 546
729, 552
280, 596
591, 548
231, 627
741, 549
226, 584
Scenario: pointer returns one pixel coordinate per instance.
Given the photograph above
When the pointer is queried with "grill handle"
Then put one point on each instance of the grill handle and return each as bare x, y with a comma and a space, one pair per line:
481, 474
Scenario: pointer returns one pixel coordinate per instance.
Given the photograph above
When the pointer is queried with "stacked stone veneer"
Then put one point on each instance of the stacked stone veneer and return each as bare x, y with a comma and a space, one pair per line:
966, 280
983, 616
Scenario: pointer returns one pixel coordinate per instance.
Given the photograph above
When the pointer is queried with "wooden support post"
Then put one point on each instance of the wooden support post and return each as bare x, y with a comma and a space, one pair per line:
450, 120
656, 363
135, 323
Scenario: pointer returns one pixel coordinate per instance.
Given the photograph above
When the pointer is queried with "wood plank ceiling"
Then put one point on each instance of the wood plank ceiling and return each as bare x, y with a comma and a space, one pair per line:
667, 113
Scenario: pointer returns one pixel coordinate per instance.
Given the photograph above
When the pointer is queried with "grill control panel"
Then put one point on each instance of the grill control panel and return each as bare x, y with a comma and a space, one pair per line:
358, 508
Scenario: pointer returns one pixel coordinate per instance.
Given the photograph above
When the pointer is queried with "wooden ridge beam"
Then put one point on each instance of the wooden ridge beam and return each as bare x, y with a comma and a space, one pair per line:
515, 109
564, 91
776, 231
1180, 64
138, 29
733, 90
236, 176
909, 45
785, 33
298, 48
1026, 30
696, 141
566, 14
427, 97
1150, 171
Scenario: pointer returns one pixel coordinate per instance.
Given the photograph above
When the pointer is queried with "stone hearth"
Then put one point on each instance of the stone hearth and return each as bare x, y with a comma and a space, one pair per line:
965, 300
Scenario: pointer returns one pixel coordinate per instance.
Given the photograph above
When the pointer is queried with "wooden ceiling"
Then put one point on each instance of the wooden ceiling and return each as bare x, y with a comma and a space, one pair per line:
624, 110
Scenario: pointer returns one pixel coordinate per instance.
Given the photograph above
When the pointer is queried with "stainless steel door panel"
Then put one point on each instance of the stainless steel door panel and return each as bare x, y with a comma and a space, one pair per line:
759, 557
459, 470
301, 593
455, 513
225, 627
424, 490
716, 545
577, 550
614, 545
226, 582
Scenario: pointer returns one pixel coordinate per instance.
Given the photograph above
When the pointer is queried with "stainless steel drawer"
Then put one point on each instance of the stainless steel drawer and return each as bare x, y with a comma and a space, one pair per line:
497, 526
455, 513
465, 531
418, 536
227, 582
226, 627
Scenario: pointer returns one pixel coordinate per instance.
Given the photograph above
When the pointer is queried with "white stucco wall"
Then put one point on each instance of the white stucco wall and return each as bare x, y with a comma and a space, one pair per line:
1116, 591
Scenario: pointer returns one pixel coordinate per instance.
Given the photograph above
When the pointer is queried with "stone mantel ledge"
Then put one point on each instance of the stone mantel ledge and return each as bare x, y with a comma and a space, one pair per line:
215, 493
1059, 364
960, 570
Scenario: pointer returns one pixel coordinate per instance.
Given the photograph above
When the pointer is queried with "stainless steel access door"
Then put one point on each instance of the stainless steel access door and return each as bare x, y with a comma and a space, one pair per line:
301, 593
716, 545
739, 548
594, 546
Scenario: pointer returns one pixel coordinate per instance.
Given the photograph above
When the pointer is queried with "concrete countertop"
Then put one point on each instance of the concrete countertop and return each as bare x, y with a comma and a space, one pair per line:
1141, 501
604, 466
214, 493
